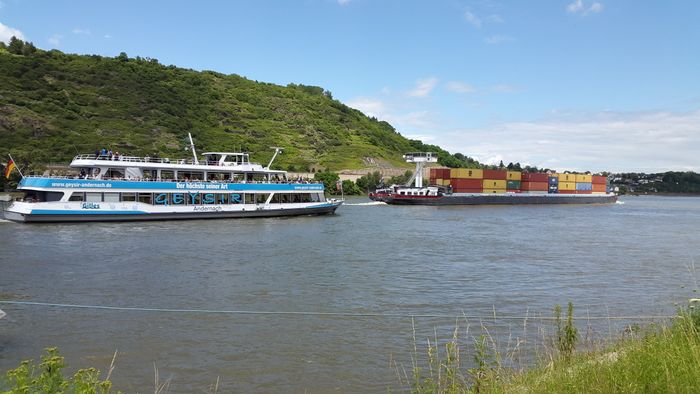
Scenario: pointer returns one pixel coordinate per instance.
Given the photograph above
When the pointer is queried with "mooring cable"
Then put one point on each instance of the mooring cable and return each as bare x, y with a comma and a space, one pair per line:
312, 313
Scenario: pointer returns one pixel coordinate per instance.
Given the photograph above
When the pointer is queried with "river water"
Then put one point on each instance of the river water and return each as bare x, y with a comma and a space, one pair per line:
339, 273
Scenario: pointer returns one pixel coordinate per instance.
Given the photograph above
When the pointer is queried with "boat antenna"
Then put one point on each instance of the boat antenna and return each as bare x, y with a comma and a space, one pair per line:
194, 152
277, 151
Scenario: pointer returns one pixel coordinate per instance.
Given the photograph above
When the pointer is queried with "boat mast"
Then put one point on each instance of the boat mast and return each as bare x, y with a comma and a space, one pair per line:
420, 158
277, 150
194, 152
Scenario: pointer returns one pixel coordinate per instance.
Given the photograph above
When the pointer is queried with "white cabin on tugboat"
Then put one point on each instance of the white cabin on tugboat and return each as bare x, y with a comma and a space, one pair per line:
124, 188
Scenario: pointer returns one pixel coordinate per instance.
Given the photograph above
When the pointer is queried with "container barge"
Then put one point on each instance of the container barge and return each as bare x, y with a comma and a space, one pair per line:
469, 186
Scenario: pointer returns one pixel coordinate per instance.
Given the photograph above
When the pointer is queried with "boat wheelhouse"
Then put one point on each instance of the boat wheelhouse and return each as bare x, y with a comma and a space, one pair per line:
120, 188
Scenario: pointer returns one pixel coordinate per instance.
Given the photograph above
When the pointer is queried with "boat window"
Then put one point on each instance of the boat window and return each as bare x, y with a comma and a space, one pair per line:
249, 198
261, 198
306, 197
221, 198
190, 175
275, 199
93, 197
218, 176
161, 199
296, 197
115, 173
111, 197
235, 198
178, 199
146, 198
128, 196
54, 196
285, 198
167, 175
194, 198
77, 196
316, 197
209, 198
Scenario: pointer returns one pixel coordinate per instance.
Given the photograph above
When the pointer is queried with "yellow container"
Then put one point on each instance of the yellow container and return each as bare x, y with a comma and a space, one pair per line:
513, 175
494, 184
567, 185
583, 178
466, 173
438, 182
445, 182
566, 178
491, 191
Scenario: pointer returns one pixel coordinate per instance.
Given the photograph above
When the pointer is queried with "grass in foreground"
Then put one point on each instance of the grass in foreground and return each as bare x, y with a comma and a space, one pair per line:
661, 359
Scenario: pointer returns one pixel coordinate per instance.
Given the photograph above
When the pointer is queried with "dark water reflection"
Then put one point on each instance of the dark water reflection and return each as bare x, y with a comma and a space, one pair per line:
624, 259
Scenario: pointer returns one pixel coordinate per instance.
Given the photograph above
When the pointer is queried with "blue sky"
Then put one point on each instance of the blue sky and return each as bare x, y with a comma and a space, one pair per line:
571, 84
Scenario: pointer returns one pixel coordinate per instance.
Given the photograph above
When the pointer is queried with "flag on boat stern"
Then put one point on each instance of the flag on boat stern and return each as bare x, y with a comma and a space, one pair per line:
9, 167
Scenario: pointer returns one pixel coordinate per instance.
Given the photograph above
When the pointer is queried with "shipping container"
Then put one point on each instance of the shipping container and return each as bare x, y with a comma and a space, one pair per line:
584, 186
438, 182
494, 184
566, 177
554, 189
433, 173
444, 173
467, 183
445, 182
599, 187
599, 180
534, 186
491, 191
535, 177
583, 178
466, 173
567, 191
513, 185
495, 174
584, 192
514, 175
553, 181
566, 185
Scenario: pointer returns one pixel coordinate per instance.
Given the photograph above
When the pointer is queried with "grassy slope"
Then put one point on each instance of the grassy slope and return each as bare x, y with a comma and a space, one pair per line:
53, 105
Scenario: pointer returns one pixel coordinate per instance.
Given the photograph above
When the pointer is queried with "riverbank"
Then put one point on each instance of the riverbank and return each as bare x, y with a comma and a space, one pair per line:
662, 357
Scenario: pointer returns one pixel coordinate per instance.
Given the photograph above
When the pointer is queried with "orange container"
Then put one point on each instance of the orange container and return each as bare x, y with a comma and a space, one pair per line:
534, 186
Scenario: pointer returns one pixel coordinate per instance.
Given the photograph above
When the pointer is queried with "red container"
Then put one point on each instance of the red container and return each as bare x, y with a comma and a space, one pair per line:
495, 174
466, 183
535, 177
599, 180
534, 186
433, 173
567, 191
597, 187
584, 191
468, 190
445, 173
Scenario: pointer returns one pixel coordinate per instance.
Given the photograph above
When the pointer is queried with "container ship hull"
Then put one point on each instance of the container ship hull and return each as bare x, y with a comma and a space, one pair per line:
495, 199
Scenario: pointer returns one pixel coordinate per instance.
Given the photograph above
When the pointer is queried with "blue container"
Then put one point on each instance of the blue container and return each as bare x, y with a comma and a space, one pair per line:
584, 186
553, 181
553, 189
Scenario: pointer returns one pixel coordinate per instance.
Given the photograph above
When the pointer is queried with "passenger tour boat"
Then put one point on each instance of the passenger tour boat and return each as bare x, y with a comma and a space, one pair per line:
113, 187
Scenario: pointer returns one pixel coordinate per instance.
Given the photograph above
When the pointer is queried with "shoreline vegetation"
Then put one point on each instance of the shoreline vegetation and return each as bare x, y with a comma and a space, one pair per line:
659, 357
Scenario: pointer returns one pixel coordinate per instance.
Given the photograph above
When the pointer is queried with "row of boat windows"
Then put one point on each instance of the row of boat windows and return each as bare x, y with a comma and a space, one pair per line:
197, 198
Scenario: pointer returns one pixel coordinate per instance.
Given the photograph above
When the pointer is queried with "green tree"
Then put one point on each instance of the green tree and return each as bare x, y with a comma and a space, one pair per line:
350, 188
28, 49
16, 46
368, 183
329, 180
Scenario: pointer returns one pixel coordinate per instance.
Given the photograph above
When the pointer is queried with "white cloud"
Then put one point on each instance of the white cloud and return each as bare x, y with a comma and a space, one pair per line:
616, 141
495, 18
81, 31
579, 7
497, 39
55, 39
460, 87
6, 32
423, 87
472, 19
369, 106
2, 4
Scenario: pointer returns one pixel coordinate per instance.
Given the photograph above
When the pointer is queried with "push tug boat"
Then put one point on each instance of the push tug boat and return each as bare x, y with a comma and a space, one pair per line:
126, 188
475, 189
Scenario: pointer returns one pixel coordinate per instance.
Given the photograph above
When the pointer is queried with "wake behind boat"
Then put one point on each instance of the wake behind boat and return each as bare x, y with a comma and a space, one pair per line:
125, 188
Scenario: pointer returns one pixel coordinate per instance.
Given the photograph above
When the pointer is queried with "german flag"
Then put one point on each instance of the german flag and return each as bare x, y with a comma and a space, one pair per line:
9, 167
